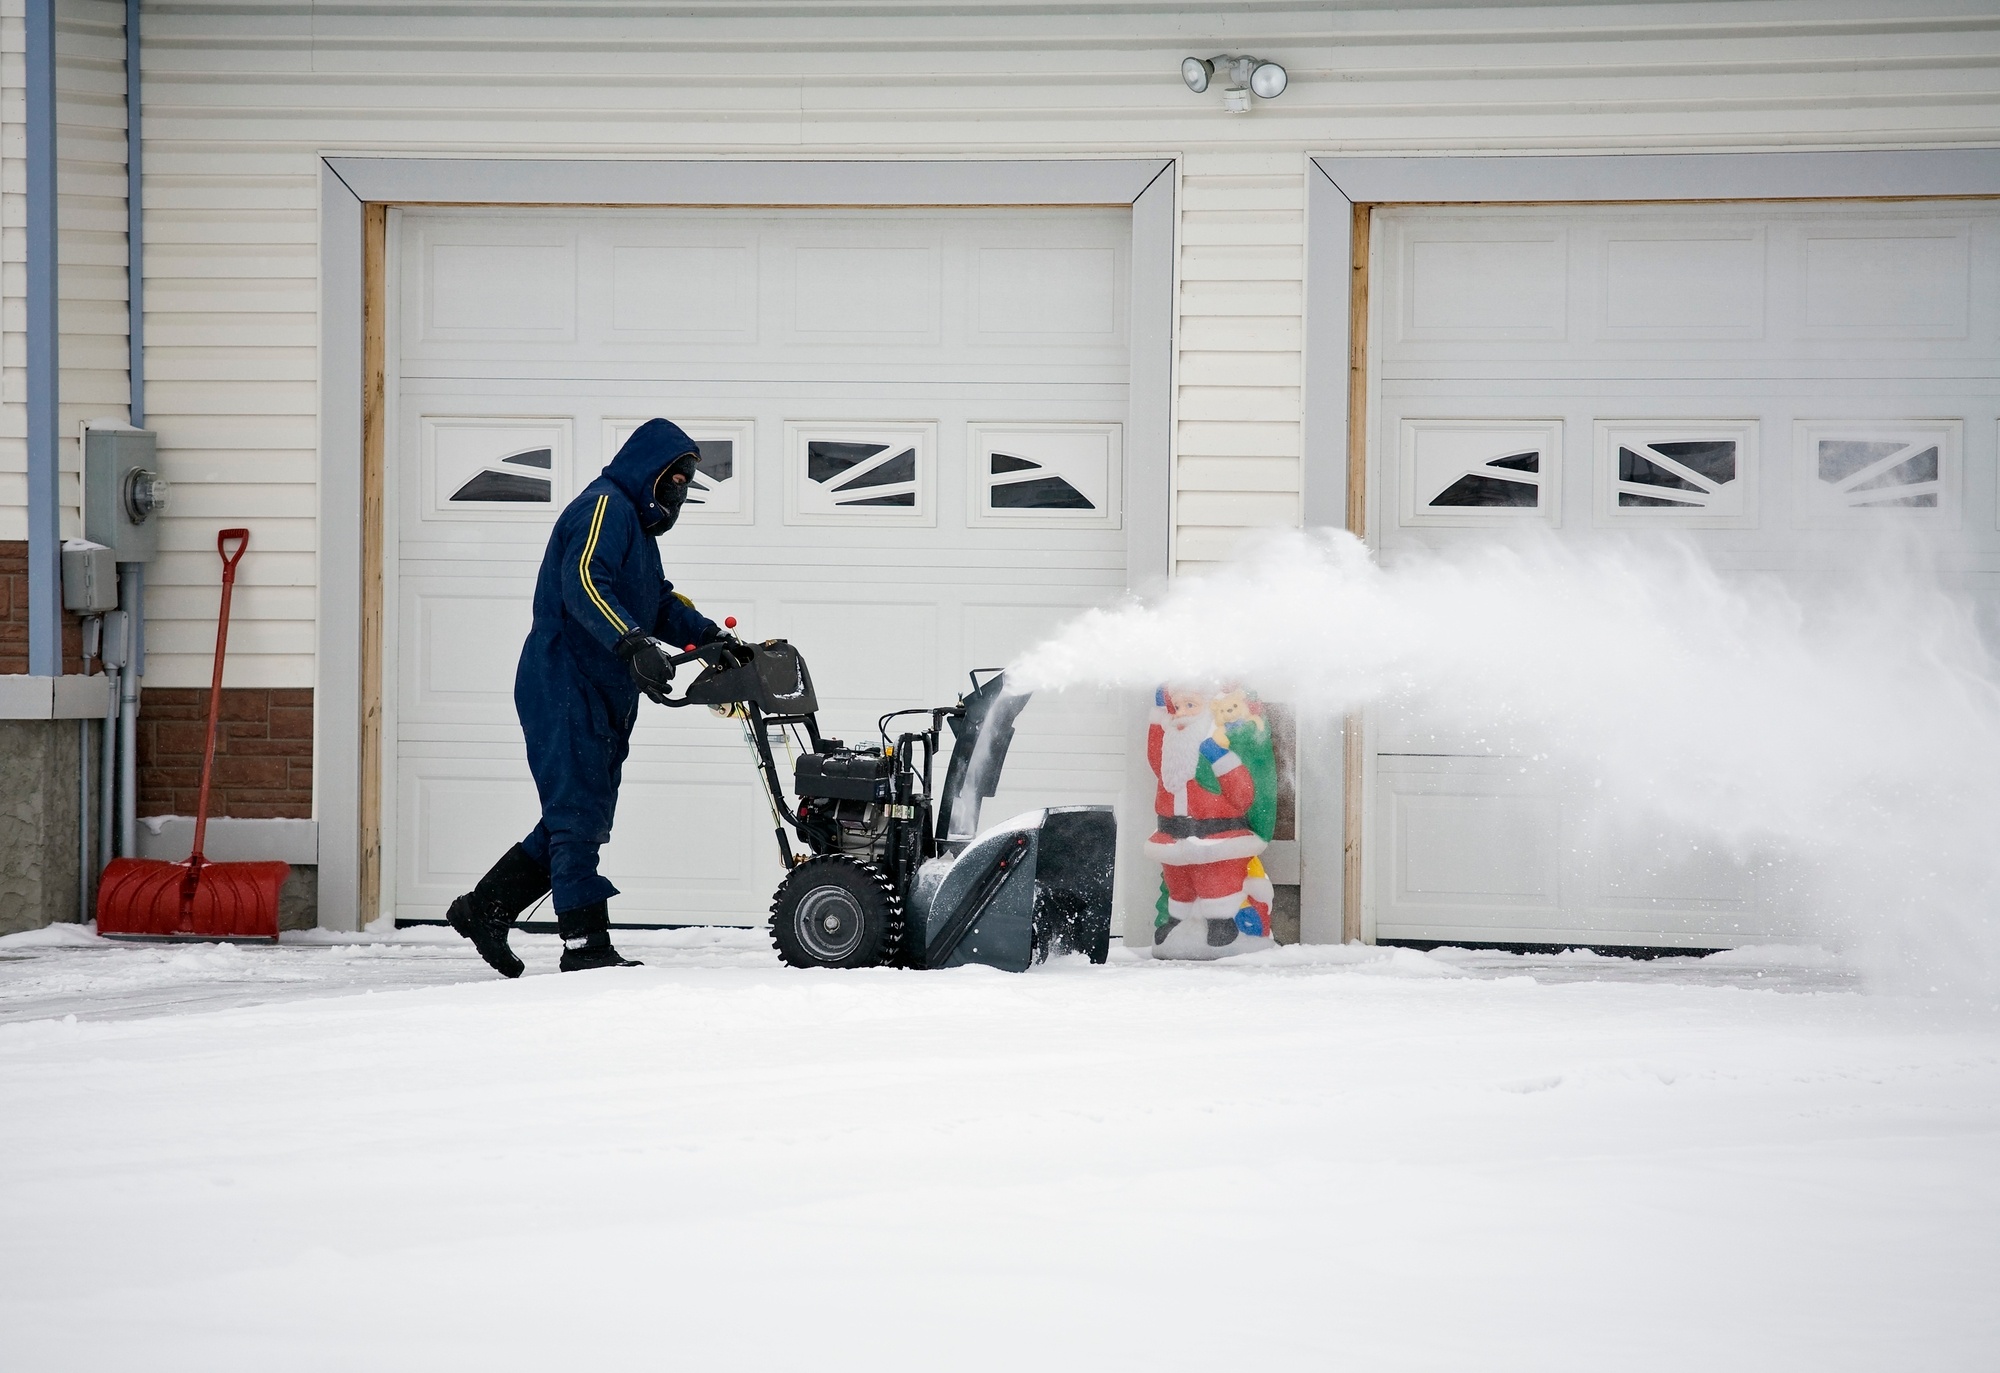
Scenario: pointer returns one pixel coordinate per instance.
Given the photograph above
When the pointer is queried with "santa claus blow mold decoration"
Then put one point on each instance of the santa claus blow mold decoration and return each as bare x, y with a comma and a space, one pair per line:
1215, 809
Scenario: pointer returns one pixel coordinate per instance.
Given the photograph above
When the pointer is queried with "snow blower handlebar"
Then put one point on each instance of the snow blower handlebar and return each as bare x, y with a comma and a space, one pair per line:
848, 795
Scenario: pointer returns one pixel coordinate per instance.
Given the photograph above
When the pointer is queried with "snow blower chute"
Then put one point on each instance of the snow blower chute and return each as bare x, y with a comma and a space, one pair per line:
895, 872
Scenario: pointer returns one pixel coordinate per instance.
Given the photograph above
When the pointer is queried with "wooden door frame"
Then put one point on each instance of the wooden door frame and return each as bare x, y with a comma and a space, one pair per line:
1342, 192
356, 194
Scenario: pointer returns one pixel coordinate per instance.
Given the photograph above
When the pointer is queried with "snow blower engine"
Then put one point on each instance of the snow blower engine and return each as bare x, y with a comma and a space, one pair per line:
895, 872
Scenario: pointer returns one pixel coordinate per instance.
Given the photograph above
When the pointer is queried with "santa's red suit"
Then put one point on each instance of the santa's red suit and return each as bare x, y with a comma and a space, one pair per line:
1205, 849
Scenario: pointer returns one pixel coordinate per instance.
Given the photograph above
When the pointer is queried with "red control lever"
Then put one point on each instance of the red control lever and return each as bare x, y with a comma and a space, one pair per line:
729, 622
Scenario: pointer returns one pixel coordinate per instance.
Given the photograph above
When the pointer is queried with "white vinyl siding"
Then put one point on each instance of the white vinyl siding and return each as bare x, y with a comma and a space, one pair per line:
242, 99
1242, 282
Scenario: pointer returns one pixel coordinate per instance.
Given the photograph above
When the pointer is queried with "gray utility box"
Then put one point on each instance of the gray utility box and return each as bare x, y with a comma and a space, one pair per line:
122, 492
89, 577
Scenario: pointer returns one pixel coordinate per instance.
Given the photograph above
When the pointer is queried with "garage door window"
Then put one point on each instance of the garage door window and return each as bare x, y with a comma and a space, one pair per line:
868, 475
1861, 473
1472, 472
506, 482
1045, 474
1677, 474
493, 467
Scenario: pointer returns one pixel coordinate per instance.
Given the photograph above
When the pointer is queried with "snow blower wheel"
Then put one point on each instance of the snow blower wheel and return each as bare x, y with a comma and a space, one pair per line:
834, 911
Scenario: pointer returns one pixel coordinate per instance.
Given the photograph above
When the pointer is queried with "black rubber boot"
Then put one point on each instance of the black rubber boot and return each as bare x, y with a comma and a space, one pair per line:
487, 912
586, 937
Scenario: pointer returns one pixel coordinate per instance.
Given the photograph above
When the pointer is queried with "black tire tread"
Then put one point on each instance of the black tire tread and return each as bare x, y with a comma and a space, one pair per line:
888, 950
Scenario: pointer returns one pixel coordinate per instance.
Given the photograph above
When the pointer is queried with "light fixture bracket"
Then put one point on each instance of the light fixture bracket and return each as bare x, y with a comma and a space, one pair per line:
1244, 76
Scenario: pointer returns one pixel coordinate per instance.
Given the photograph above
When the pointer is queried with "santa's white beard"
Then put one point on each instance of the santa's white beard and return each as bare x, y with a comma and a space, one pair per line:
1180, 755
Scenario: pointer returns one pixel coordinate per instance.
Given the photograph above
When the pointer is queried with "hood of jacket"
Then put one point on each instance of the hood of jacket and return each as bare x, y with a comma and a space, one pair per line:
652, 449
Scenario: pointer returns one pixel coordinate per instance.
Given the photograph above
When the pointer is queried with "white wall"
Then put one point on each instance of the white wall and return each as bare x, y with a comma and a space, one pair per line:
241, 100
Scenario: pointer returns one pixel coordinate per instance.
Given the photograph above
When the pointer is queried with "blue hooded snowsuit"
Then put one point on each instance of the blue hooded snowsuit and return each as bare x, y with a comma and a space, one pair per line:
600, 577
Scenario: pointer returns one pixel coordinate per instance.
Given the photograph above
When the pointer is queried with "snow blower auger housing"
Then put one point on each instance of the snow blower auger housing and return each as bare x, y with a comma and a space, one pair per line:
895, 872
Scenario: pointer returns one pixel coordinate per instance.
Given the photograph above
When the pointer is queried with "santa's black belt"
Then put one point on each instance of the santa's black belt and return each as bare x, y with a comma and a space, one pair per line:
1187, 827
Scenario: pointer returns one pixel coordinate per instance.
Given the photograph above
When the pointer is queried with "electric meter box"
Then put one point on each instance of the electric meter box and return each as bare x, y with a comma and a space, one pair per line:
122, 491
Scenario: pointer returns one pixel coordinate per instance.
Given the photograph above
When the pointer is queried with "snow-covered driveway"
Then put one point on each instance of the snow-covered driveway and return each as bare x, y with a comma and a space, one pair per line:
1314, 1159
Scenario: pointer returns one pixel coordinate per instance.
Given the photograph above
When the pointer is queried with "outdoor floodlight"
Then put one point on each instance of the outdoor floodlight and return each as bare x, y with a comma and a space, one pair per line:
1247, 76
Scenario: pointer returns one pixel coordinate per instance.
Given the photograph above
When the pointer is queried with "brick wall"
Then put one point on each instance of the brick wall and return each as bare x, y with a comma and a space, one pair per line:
263, 752
14, 614
263, 748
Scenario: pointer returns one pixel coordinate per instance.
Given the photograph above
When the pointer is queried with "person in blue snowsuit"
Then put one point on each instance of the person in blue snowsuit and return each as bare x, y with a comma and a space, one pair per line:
602, 606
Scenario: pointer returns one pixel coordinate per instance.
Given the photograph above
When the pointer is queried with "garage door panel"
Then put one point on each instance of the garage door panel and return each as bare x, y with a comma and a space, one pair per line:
1693, 281
719, 290
1718, 373
700, 286
864, 295
996, 635
1886, 280
1062, 366
865, 562
1646, 865
864, 651
1473, 279
473, 282
1045, 295
460, 642
457, 816
687, 847
1469, 841
1725, 283
1474, 849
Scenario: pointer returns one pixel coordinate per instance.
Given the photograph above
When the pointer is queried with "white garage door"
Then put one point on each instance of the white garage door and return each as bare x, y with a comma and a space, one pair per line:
911, 425
1772, 382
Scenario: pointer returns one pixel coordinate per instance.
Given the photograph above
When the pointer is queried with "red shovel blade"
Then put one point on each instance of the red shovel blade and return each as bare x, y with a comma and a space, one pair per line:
229, 901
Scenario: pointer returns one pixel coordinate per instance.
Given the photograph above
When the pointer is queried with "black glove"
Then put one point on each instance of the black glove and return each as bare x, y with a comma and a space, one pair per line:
646, 658
735, 652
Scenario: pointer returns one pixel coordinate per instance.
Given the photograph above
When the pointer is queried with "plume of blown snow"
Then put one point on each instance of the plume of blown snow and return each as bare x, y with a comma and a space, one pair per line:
1841, 735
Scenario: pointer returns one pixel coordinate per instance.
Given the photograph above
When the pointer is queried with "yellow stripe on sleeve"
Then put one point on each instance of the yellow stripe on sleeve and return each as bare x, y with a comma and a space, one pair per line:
583, 566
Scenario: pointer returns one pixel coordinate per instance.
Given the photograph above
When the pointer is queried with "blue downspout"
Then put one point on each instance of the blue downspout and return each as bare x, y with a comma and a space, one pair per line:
135, 219
135, 285
44, 380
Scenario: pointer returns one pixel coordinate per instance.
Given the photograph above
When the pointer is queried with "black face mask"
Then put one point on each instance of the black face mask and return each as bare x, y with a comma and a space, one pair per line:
669, 495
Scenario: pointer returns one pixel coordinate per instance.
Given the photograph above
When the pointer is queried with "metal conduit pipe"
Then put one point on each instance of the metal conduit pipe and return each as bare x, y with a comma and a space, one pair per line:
134, 664
132, 594
82, 822
93, 647
107, 776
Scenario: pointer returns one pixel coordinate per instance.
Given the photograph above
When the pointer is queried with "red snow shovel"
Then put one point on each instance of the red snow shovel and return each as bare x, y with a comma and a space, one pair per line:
197, 898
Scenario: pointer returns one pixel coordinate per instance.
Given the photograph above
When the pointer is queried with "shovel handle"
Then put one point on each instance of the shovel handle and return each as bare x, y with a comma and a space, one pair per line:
229, 559
241, 538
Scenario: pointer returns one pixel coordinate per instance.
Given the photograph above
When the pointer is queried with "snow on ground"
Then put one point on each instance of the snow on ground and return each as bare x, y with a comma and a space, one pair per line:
369, 1153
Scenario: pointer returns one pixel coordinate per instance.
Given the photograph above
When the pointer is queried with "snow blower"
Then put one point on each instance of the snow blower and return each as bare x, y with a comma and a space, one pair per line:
895, 873
196, 898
